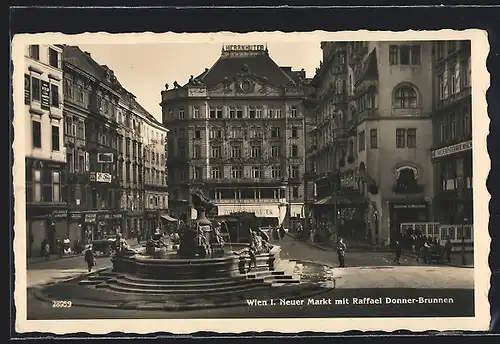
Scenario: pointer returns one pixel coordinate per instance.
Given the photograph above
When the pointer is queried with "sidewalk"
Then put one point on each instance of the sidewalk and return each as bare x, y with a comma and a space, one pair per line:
456, 259
37, 259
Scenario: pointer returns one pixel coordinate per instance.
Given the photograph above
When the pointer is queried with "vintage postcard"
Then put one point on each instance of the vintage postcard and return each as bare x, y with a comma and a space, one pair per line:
251, 182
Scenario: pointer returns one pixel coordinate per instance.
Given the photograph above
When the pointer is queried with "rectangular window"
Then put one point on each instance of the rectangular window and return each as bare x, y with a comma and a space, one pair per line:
236, 172
373, 139
275, 151
255, 152
453, 126
34, 52
236, 152
56, 186
54, 95
411, 138
81, 163
404, 54
197, 152
219, 113
47, 186
293, 112
239, 113
464, 74
212, 113
256, 172
35, 89
53, 58
197, 134
400, 138
415, 55
295, 133
216, 172
79, 93
294, 172
467, 130
251, 113
70, 161
275, 132
181, 113
393, 54
55, 138
196, 113
270, 113
37, 186
294, 151
36, 134
258, 113
232, 113
441, 87
451, 79
198, 172
295, 192
275, 172
216, 152
361, 141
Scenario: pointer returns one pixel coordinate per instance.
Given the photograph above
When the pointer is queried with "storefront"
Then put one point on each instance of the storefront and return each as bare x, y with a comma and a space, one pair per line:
401, 212
270, 214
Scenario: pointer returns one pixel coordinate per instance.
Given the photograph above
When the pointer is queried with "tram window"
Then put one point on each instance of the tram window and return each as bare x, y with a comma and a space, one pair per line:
460, 232
468, 232
444, 233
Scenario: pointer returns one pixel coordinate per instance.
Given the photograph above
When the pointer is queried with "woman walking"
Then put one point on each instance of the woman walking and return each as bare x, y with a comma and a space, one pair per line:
90, 258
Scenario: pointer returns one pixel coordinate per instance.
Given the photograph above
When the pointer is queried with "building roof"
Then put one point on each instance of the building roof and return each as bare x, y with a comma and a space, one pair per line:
260, 65
370, 68
146, 113
83, 60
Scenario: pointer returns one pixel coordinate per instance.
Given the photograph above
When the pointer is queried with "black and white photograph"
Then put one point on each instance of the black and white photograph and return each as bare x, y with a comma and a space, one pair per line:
251, 178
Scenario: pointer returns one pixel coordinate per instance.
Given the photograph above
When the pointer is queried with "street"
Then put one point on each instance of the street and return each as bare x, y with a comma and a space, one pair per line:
367, 274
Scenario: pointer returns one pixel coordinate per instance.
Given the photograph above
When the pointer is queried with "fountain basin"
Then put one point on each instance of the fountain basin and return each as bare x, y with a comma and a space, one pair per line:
172, 268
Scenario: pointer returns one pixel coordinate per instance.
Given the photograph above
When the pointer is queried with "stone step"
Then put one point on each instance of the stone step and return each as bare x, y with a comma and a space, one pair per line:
99, 277
90, 282
198, 284
229, 289
182, 282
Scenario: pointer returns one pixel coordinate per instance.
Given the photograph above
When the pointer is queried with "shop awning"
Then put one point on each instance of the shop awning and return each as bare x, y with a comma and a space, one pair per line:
168, 218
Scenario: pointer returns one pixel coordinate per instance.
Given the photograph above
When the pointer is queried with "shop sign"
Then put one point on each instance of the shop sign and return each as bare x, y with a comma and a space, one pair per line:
117, 216
27, 89
45, 104
100, 177
259, 211
459, 147
104, 217
234, 47
410, 206
90, 217
60, 214
75, 216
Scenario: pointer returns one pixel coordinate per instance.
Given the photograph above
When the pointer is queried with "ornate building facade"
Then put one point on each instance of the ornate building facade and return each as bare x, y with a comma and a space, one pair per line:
452, 133
46, 214
380, 164
237, 133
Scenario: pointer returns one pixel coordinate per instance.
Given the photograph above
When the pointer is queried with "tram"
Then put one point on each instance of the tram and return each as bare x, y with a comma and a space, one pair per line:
442, 232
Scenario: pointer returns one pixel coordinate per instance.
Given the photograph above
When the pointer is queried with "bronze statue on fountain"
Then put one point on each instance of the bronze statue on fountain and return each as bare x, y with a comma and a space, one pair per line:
201, 239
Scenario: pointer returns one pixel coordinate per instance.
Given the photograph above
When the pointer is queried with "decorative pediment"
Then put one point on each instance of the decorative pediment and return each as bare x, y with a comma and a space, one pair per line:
244, 84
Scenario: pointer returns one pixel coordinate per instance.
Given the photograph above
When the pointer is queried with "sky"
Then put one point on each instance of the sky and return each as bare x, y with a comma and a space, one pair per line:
143, 69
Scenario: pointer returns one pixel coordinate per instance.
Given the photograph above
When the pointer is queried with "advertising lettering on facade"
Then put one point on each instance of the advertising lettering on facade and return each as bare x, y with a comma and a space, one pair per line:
90, 217
117, 216
27, 89
235, 47
410, 206
102, 217
45, 103
101, 177
104, 157
75, 216
60, 214
459, 147
259, 211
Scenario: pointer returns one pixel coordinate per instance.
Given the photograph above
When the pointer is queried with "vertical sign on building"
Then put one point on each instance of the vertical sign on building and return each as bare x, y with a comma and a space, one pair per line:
87, 162
27, 89
45, 95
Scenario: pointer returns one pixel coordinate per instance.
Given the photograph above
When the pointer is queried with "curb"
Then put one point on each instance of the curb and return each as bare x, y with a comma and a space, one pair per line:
157, 306
323, 248
70, 278
447, 264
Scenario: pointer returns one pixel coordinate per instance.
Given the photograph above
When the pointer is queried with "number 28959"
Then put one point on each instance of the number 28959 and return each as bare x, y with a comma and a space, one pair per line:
61, 304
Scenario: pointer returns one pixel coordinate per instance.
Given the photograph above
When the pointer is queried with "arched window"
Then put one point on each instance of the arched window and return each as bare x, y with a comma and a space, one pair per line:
405, 97
406, 179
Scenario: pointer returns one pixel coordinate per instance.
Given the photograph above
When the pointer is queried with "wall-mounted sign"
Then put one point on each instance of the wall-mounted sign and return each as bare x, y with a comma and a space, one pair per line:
45, 104
407, 167
459, 147
235, 47
90, 217
409, 206
258, 210
60, 214
100, 177
104, 157
27, 89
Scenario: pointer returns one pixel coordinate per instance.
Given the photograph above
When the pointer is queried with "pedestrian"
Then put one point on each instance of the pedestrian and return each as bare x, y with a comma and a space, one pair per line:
282, 233
90, 258
59, 247
447, 249
398, 251
341, 248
